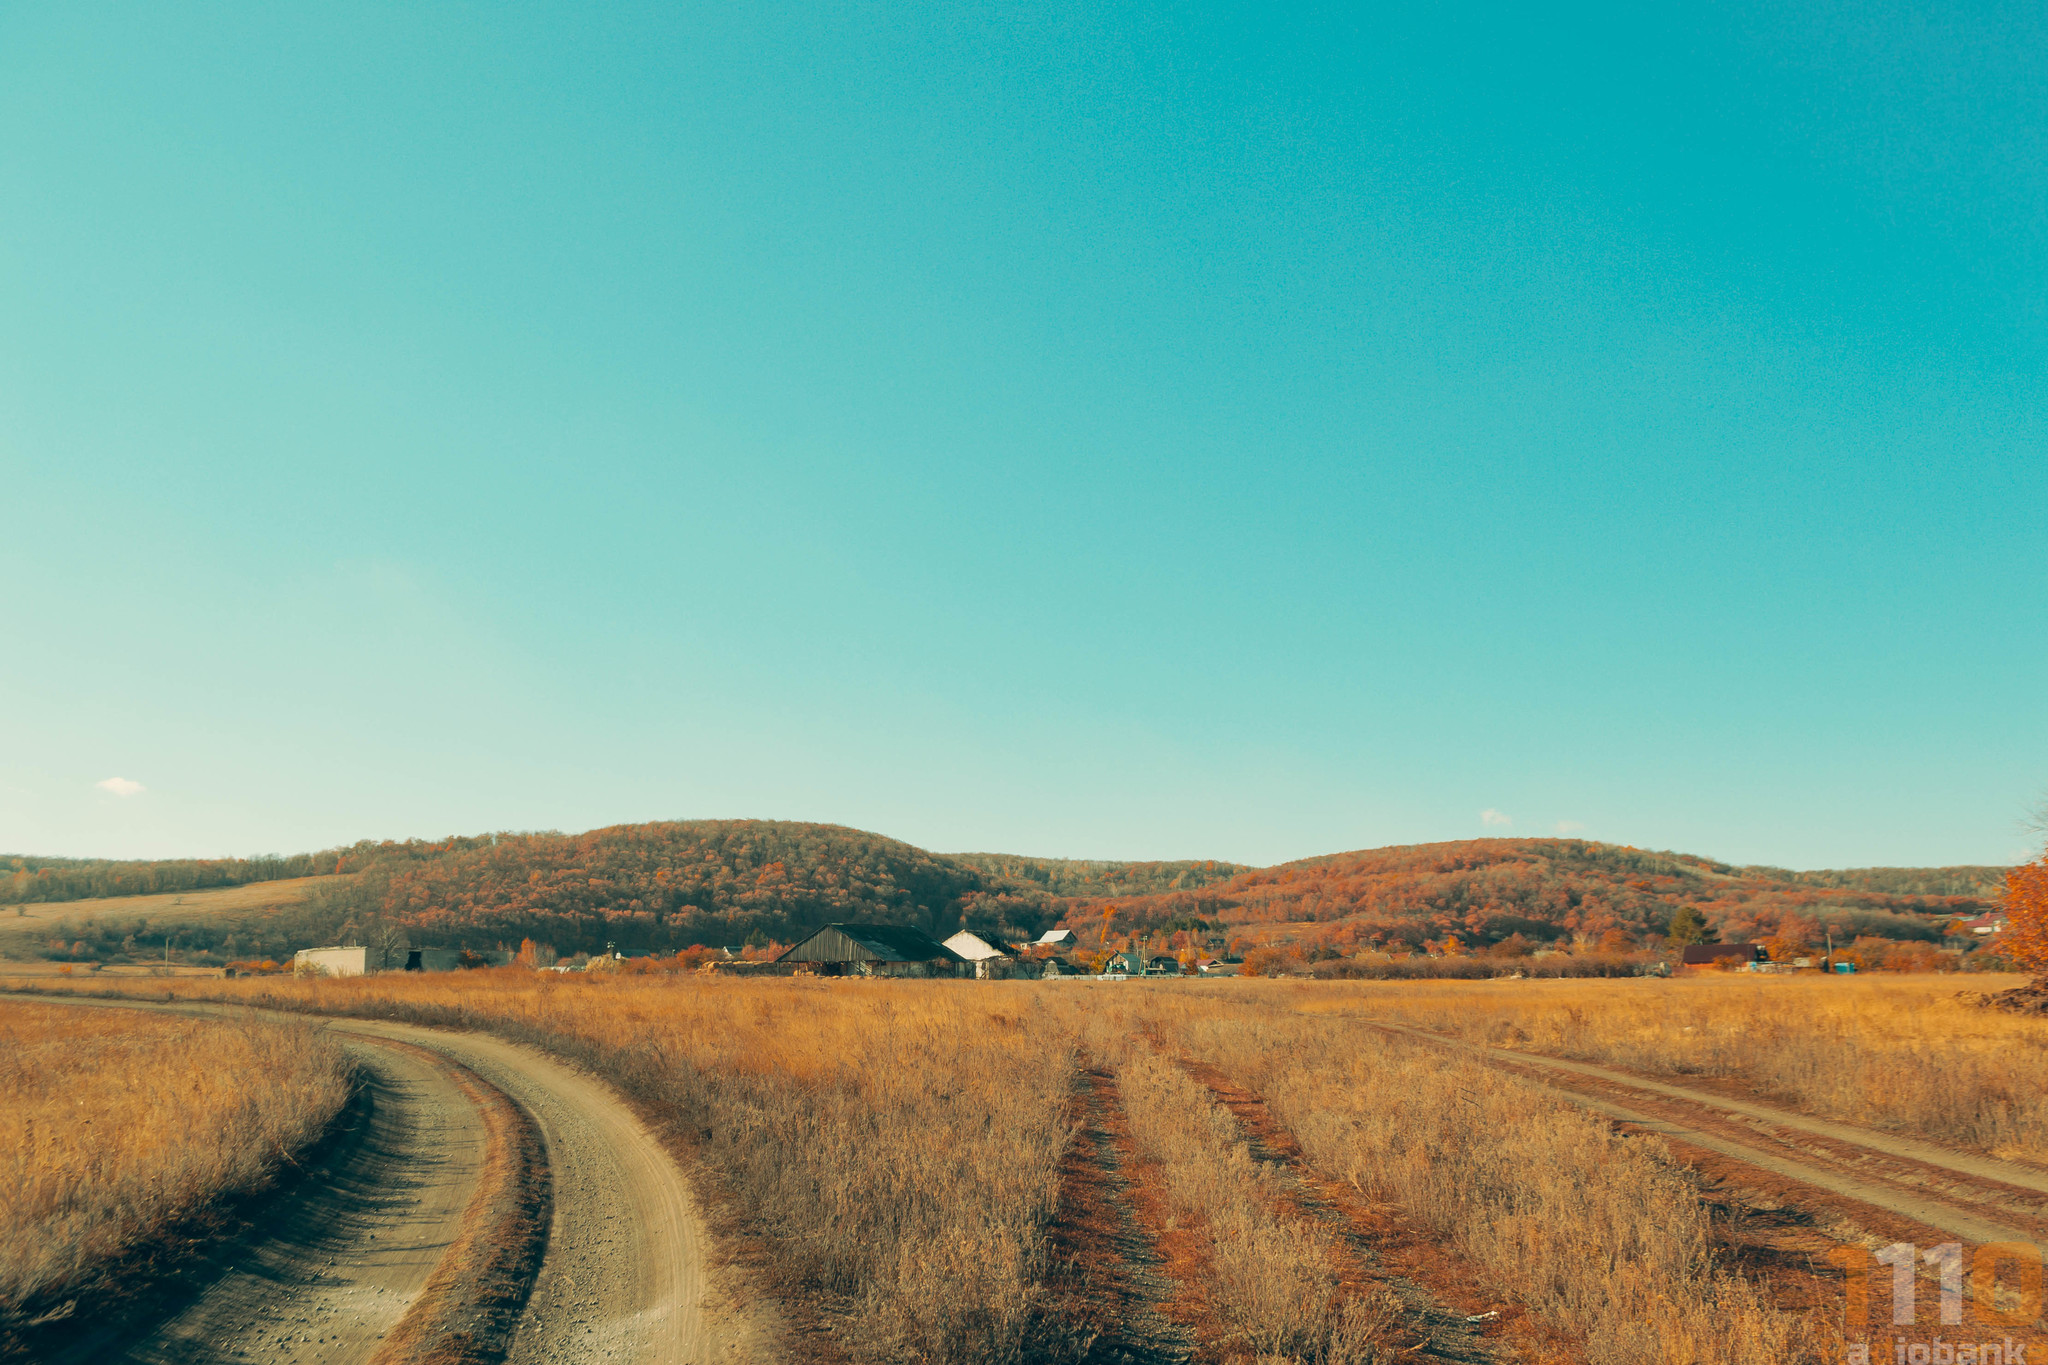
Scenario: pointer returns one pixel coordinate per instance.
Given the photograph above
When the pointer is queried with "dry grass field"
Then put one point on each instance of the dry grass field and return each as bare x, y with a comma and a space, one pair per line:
170, 908
1895, 1052
121, 1126
898, 1159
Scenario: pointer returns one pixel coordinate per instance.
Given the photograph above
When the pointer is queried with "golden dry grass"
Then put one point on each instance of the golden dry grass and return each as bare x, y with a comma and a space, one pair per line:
1601, 1235
896, 1146
121, 1125
1894, 1052
893, 1148
1272, 1273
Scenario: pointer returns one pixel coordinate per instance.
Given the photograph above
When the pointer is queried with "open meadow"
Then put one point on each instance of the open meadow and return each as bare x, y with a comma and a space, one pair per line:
1291, 1170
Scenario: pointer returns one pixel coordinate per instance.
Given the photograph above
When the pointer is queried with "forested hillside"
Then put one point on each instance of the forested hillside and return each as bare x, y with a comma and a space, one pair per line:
29, 880
667, 885
1484, 890
1098, 877
1980, 882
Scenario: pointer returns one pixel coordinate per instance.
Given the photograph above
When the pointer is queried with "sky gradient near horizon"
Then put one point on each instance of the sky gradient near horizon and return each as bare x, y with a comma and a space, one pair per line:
1105, 430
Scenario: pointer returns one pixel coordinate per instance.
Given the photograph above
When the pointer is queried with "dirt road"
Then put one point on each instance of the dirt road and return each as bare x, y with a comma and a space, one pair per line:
624, 1277
1963, 1194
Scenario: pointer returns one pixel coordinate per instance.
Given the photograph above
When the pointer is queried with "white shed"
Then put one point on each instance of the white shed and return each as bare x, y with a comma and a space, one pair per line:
356, 961
1058, 938
974, 947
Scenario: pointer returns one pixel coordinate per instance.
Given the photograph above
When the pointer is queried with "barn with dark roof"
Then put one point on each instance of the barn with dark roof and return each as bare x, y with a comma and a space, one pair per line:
875, 950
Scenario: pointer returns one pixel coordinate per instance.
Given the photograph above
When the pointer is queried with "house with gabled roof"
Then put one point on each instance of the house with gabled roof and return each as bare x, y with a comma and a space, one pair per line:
874, 950
989, 955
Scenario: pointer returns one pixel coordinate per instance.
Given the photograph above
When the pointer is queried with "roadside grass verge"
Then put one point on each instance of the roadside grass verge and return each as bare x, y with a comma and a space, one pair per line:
892, 1148
129, 1134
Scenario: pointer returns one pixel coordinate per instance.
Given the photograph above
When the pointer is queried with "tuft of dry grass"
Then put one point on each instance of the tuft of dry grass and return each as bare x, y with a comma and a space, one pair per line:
1897, 1053
121, 1127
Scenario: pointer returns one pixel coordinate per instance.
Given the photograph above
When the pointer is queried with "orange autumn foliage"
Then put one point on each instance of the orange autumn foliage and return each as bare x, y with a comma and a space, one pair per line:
2025, 942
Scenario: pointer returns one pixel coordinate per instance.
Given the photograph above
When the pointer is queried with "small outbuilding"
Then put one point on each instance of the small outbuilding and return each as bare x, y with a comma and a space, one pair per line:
991, 958
874, 950
355, 960
1057, 938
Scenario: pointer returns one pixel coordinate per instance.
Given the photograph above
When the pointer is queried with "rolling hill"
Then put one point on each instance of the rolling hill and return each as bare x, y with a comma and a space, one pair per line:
1547, 889
666, 885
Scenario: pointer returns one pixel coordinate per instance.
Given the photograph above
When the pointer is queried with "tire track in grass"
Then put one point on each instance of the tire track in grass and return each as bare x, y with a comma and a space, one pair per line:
1109, 1283
1447, 1316
1885, 1195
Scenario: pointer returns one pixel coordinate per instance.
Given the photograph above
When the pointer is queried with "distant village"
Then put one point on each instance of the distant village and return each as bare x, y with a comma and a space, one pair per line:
887, 950
895, 950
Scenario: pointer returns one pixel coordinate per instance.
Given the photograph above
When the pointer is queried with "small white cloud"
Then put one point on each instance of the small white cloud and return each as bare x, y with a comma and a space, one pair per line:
1569, 826
1490, 816
120, 786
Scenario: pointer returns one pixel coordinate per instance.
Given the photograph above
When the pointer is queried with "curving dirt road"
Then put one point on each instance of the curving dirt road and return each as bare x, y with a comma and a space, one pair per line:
624, 1278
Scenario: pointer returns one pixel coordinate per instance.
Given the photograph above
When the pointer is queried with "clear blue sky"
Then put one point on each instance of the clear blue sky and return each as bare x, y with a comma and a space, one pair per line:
1083, 429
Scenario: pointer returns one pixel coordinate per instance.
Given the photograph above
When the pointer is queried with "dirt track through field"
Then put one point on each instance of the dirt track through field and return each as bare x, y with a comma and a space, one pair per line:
1890, 1186
336, 1264
624, 1277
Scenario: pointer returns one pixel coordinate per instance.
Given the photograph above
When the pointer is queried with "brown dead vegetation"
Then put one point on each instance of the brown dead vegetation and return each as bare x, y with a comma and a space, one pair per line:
938, 1171
128, 1133
1271, 1276
1897, 1053
1601, 1235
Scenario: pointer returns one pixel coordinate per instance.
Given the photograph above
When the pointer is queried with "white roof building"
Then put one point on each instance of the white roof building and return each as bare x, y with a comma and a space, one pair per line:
1058, 938
974, 947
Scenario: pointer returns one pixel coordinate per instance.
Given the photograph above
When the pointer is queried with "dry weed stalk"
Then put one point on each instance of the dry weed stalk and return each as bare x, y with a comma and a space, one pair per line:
122, 1125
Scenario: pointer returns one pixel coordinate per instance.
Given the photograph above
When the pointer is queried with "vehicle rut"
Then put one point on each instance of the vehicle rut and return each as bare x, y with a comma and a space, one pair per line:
1881, 1173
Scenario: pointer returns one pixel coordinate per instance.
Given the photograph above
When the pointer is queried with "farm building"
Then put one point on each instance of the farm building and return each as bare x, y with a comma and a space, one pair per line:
991, 959
1163, 966
337, 961
1057, 938
1714, 954
357, 960
1124, 964
875, 950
